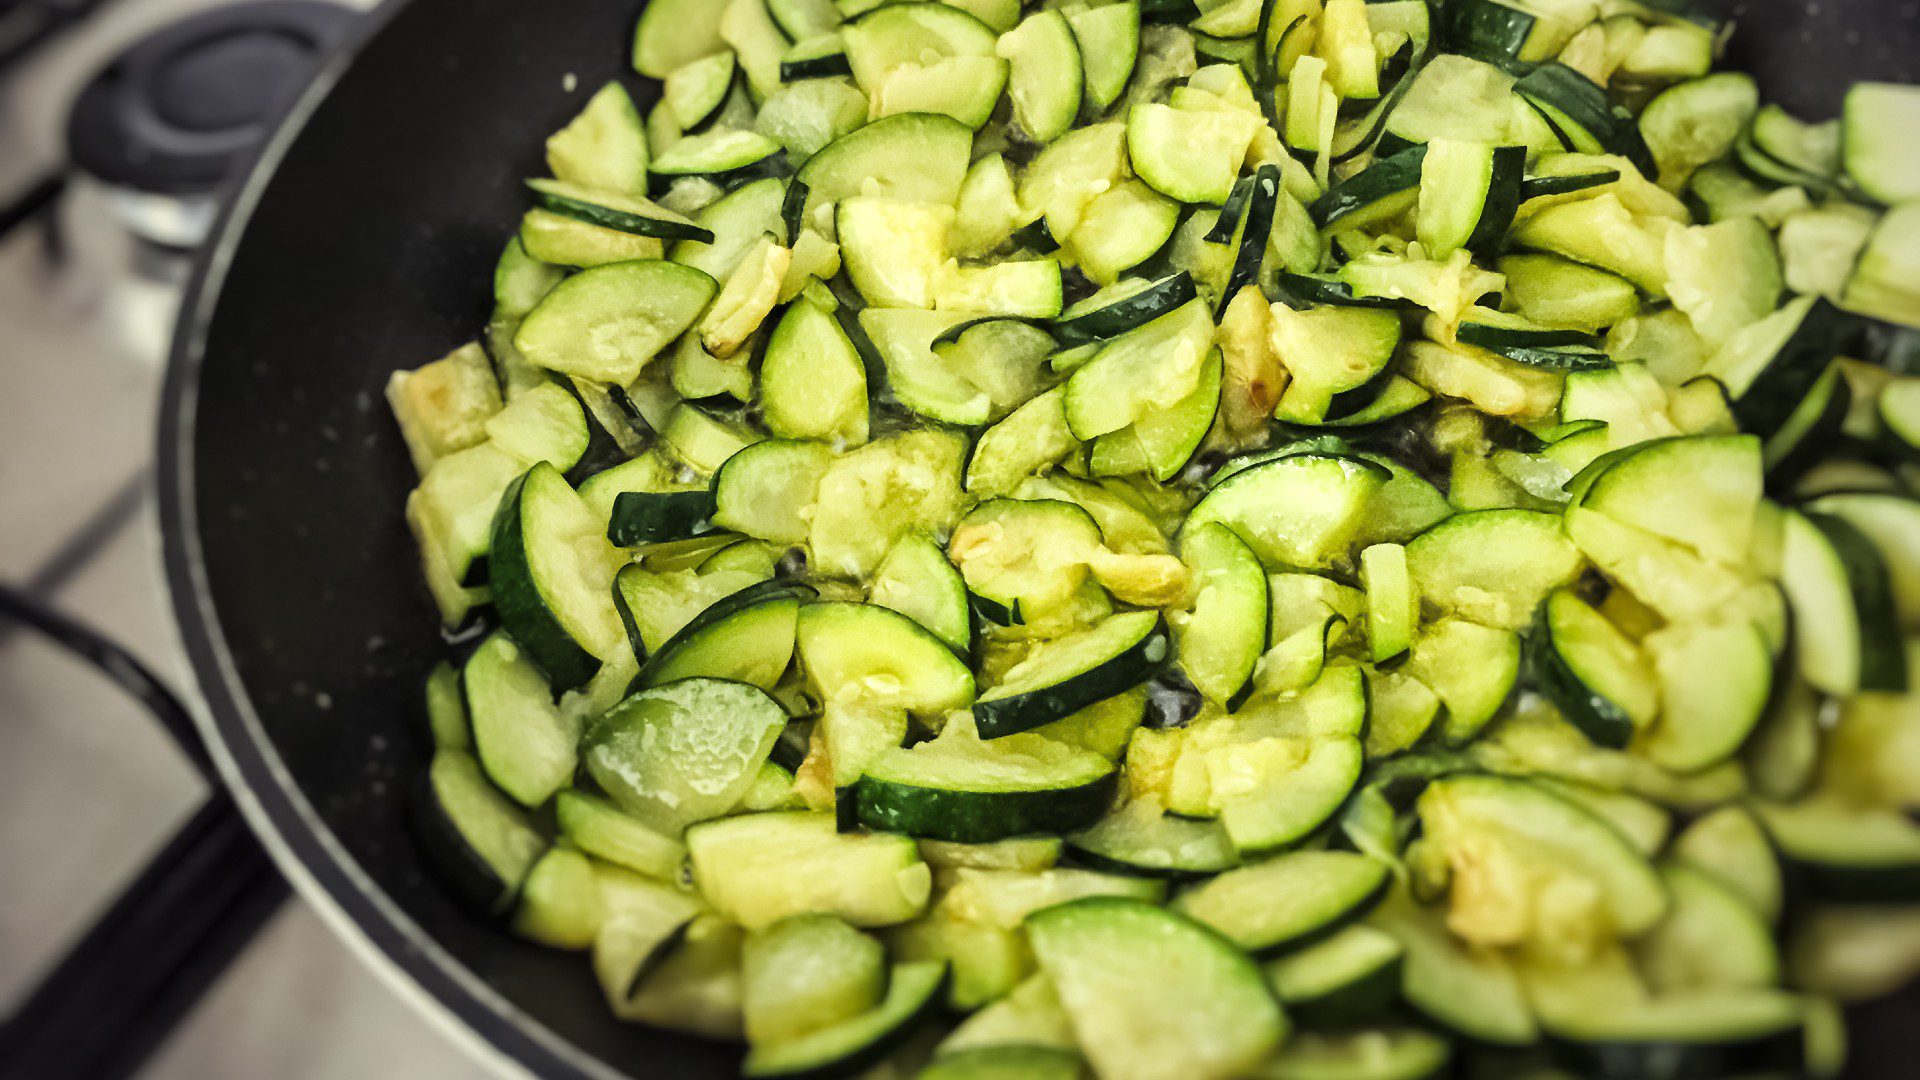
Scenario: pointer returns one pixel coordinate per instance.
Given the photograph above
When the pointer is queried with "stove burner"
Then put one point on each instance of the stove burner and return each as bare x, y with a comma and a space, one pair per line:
182, 110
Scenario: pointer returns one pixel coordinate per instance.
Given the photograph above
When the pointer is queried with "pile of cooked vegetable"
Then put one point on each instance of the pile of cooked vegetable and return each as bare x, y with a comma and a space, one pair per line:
1274, 538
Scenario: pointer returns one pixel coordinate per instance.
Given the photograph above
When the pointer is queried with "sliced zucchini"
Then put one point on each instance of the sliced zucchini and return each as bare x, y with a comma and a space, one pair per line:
559, 904
1109, 41
622, 213
916, 580
1025, 555
805, 974
1151, 994
715, 153
812, 383
682, 752
606, 323
1141, 838
1126, 306
1029, 440
1489, 814
1006, 1062
1470, 991
1187, 155
746, 637
1286, 901
1711, 939
1595, 674
1382, 191
480, 843
524, 741
767, 490
604, 831
1708, 1034
652, 517
1468, 195
1841, 852
1393, 607
1154, 365
1333, 355
1352, 974
551, 571
882, 655
675, 33
872, 496
1847, 629
1731, 846
1028, 1015
1223, 637
1715, 680
1385, 1053
670, 965
1300, 511
912, 990
961, 789
1045, 77
914, 157
758, 869
1493, 566
605, 147
1062, 676
1876, 158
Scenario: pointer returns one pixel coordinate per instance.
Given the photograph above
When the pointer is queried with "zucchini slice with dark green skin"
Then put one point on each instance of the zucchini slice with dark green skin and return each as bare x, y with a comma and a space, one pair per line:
1142, 840
1494, 337
1288, 900
1309, 290
968, 791
1581, 663
1253, 240
531, 609
1122, 315
1758, 1033
1567, 359
623, 213
650, 517
845, 1048
1844, 615
1768, 387
1168, 11
793, 210
1070, 673
1388, 182
1836, 852
477, 840
1231, 212
1487, 29
1579, 110
1505, 192
1351, 975
827, 60
952, 334
1535, 346
1540, 187
740, 638
1808, 432
1112, 959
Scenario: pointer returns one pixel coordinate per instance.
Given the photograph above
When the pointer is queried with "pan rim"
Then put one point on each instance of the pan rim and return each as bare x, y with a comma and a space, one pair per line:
488, 1027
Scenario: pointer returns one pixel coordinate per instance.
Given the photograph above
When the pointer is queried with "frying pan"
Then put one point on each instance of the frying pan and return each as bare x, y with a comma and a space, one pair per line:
364, 241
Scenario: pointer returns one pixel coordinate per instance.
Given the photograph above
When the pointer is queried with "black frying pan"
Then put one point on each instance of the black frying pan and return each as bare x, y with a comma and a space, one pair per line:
364, 242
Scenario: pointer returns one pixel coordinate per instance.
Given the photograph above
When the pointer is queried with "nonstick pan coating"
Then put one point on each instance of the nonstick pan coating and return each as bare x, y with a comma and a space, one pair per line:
364, 242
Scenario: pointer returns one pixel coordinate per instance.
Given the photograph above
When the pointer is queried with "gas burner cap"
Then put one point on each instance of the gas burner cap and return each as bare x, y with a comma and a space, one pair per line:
180, 110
